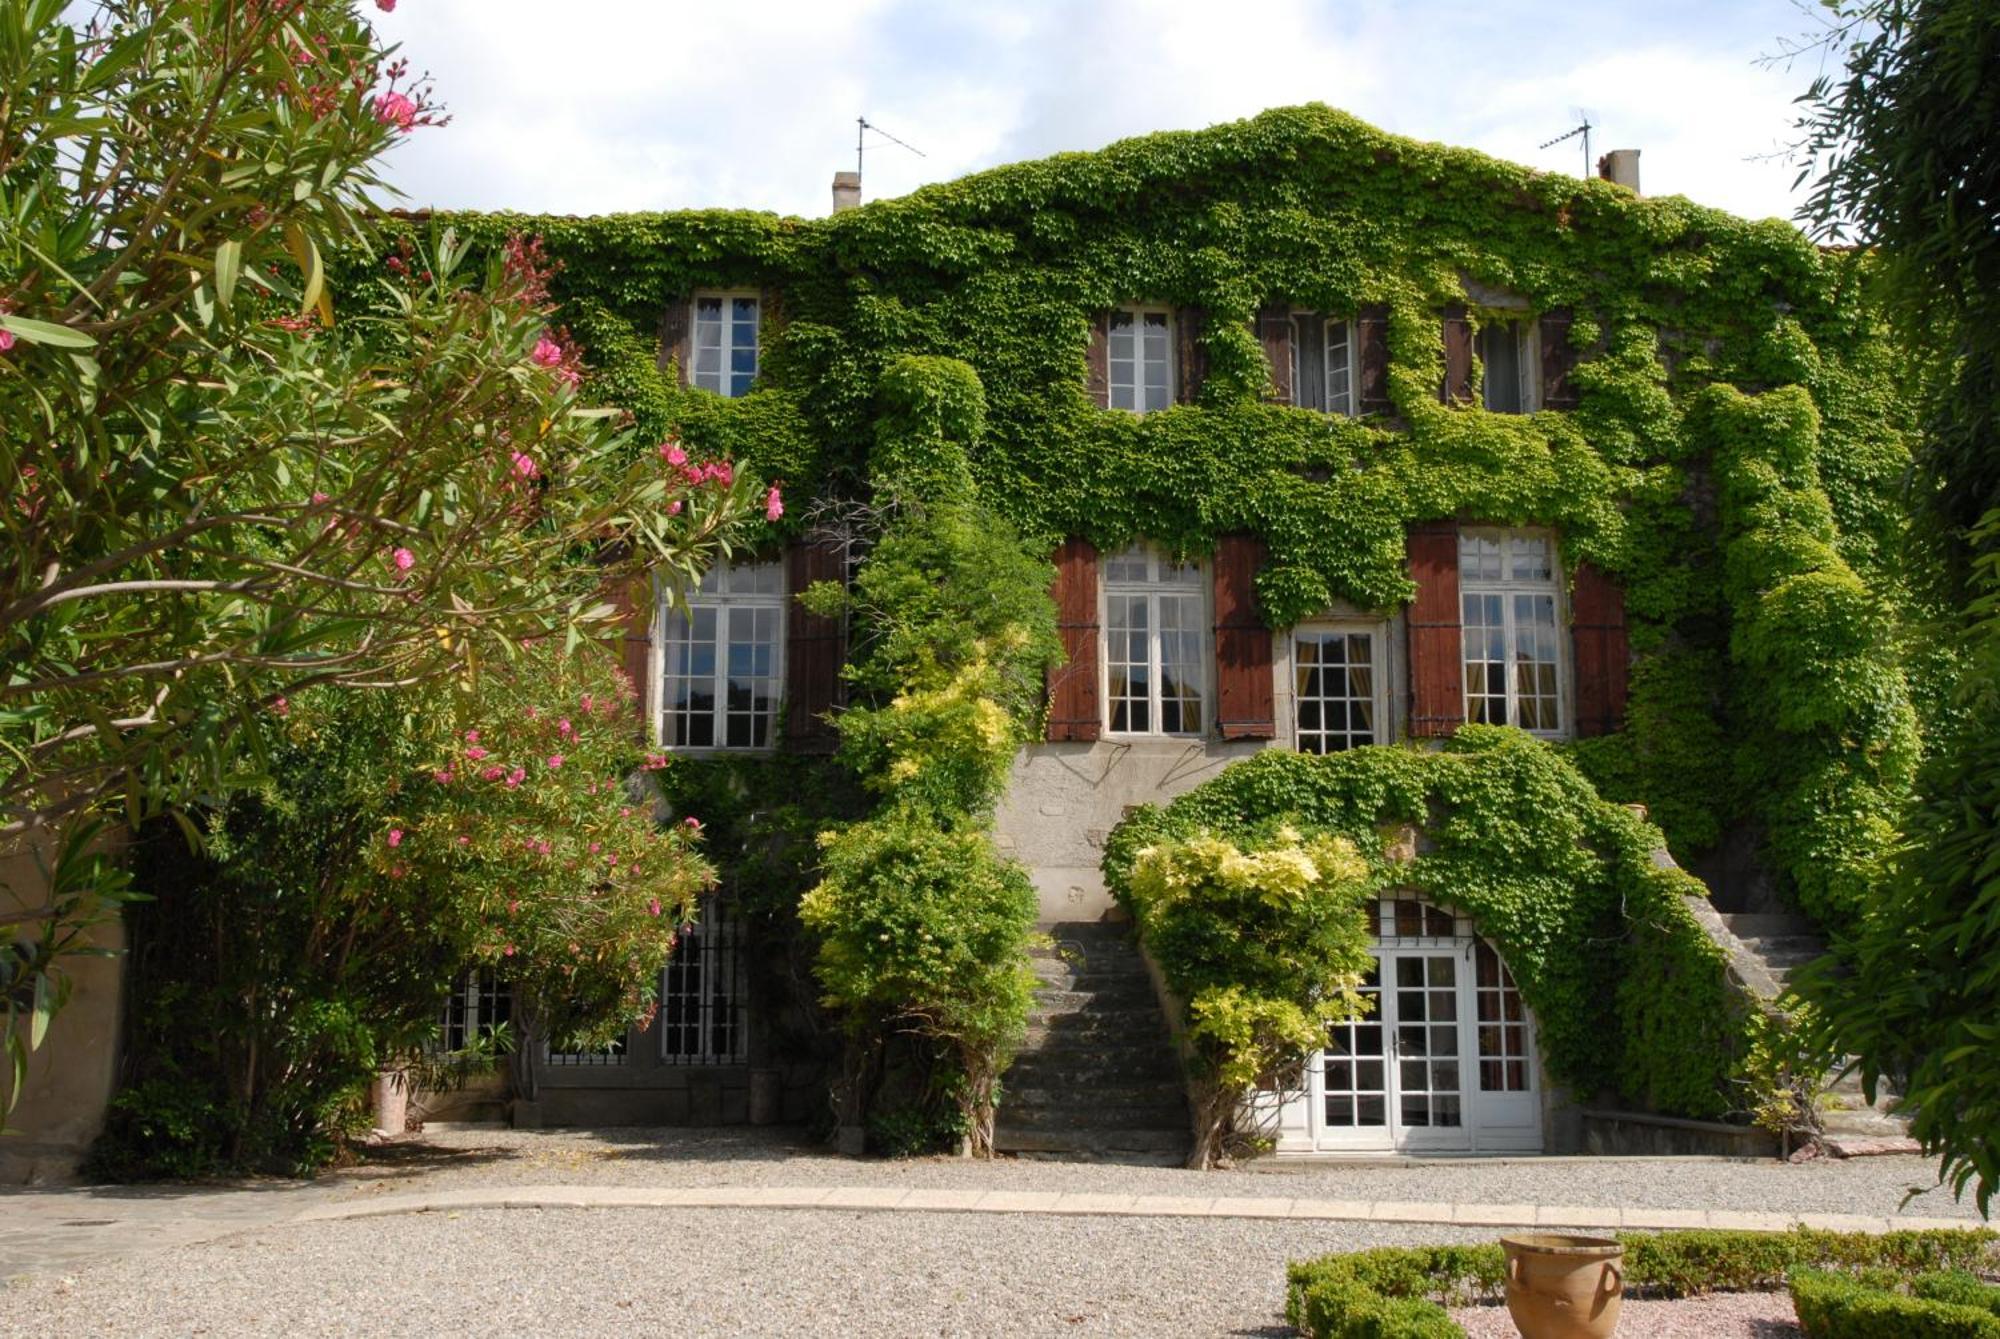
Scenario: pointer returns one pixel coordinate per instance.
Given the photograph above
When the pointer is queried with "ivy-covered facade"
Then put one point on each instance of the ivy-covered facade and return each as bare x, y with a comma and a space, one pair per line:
1476, 504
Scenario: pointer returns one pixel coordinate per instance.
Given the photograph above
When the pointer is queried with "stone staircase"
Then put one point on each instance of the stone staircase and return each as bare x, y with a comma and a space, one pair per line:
1097, 1078
1783, 943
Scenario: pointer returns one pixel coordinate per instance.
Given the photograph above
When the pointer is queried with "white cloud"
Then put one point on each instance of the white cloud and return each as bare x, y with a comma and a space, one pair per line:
607, 105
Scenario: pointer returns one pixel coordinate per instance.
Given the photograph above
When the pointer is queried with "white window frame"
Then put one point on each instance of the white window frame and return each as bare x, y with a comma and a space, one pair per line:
725, 386
722, 601
1528, 359
1351, 329
1139, 313
477, 995
1153, 589
1377, 631
1507, 586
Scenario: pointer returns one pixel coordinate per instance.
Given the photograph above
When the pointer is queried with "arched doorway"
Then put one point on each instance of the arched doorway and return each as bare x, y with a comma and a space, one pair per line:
1444, 1063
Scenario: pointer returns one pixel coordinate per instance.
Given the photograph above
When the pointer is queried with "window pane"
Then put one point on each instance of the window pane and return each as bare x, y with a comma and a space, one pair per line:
1339, 368
1500, 350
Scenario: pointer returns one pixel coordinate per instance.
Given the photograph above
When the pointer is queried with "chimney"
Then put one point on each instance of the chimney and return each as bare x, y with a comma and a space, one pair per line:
846, 190
1620, 167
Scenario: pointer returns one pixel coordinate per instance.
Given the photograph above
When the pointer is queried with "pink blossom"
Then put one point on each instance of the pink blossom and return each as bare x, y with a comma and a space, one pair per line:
774, 506
564, 728
692, 823
494, 773
442, 778
402, 560
586, 701
595, 847
508, 951
531, 713
671, 453
475, 753
721, 471
397, 871
464, 840
655, 761
674, 507
524, 465
624, 811
654, 906
395, 837
393, 109
516, 777
555, 761
513, 905
386, 6
6, 340
280, 707
612, 859
547, 353
472, 736
320, 498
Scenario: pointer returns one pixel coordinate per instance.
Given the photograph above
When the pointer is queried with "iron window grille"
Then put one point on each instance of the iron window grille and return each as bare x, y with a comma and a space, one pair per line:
704, 1015
612, 1053
478, 1005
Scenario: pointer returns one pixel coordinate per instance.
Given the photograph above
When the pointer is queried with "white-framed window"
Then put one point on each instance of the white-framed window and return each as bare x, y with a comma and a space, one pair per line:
479, 1004
1339, 687
722, 659
1504, 1047
1509, 588
1139, 358
1511, 355
703, 1013
1324, 370
1155, 644
725, 342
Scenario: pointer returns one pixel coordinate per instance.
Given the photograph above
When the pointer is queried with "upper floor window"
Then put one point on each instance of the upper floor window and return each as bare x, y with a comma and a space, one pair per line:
721, 660
1338, 688
1507, 350
1513, 647
1323, 362
1156, 643
725, 342
1139, 361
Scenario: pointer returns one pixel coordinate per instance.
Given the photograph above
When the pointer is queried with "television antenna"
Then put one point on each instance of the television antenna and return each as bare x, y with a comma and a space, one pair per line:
1582, 129
862, 125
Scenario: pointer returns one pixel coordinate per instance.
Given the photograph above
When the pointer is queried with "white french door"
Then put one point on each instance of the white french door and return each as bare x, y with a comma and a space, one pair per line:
1443, 1062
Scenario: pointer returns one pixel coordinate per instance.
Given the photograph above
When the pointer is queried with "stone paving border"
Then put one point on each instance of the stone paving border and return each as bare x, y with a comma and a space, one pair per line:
887, 1199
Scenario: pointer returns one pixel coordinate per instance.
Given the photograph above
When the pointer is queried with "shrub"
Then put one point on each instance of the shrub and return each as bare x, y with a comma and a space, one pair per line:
1959, 1287
1833, 1306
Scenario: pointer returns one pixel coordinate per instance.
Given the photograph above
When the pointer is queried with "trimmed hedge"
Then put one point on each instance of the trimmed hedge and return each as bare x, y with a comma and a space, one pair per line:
1836, 1306
1400, 1292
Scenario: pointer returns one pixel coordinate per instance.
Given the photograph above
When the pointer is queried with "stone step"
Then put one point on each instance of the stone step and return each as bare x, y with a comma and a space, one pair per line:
1091, 1068
1101, 1117
1008, 1138
1759, 925
1090, 1097
1064, 976
1118, 1004
1071, 1034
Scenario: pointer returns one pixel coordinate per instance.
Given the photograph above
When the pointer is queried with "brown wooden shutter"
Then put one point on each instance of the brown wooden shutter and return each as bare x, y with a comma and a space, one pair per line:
1603, 656
1371, 325
813, 650
1557, 359
633, 599
1097, 361
1274, 332
1190, 354
1437, 637
1457, 388
1245, 698
674, 342
1074, 712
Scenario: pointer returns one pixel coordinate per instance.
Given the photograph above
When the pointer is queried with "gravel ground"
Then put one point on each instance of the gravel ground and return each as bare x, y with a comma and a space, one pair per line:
656, 1157
1719, 1316
705, 1272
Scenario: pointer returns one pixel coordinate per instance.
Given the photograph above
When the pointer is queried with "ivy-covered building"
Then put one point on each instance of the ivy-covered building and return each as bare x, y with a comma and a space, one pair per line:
1334, 440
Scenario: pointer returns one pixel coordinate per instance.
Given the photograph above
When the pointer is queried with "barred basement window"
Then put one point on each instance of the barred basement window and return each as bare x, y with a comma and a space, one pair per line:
703, 1018
1156, 643
1512, 640
1140, 359
613, 1053
725, 343
722, 659
478, 1005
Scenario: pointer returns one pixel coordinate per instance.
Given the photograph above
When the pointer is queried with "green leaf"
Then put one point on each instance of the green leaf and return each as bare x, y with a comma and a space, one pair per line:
45, 332
228, 264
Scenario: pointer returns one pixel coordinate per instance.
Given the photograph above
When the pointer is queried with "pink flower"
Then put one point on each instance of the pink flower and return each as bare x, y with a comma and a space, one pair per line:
464, 840
516, 777
547, 353
280, 707
493, 773
397, 871
475, 753
531, 713
319, 498
692, 823
508, 951
595, 847
655, 761
654, 906
586, 701
624, 811
393, 109
395, 837
721, 471
674, 507
472, 736
513, 905
6, 340
774, 506
555, 761
671, 453
442, 778
564, 728
386, 6
524, 465
402, 560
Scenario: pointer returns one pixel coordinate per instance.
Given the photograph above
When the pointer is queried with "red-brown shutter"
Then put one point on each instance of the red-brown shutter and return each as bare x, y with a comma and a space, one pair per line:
1274, 332
1073, 708
1457, 386
1245, 698
1603, 656
1557, 359
674, 344
1371, 326
633, 599
813, 650
1191, 354
1437, 637
1097, 362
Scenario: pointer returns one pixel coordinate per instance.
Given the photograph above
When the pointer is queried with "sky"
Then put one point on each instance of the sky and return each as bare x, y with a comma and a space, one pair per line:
596, 106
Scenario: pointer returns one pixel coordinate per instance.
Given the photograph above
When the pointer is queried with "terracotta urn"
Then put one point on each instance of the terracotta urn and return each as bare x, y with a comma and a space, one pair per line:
1564, 1287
